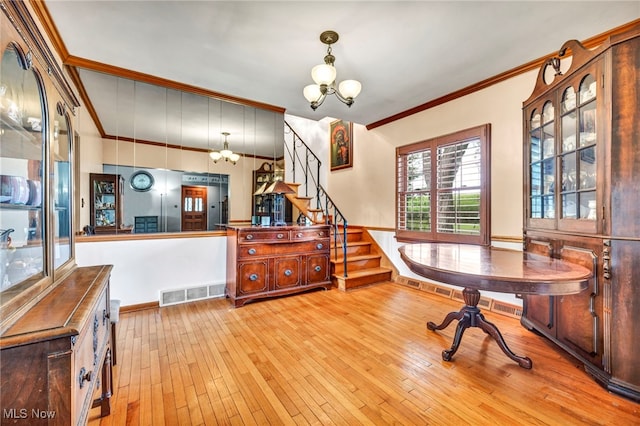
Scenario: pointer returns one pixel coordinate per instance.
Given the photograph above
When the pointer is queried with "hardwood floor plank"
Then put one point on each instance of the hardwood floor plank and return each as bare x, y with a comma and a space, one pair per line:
335, 358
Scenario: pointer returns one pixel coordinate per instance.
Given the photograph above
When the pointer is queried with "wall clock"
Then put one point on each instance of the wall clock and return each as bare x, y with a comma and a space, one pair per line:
141, 181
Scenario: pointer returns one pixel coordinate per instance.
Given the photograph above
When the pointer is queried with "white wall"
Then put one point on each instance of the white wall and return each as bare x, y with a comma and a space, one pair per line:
373, 172
144, 267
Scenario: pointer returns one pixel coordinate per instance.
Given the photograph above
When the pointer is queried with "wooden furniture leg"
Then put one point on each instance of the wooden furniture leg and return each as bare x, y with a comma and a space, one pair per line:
470, 316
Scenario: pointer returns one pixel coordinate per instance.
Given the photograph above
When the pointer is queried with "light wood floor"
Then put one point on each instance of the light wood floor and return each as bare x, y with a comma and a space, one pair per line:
328, 357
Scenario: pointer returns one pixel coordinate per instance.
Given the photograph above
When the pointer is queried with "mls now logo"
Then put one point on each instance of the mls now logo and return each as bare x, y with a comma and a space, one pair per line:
23, 413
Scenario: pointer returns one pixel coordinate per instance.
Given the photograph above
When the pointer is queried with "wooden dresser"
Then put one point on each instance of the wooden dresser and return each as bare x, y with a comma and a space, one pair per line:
274, 261
55, 360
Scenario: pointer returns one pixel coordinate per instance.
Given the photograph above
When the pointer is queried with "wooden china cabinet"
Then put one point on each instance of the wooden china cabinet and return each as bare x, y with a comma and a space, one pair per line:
55, 333
263, 202
581, 156
107, 203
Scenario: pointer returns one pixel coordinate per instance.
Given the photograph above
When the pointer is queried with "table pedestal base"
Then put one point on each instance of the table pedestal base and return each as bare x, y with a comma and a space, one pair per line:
470, 316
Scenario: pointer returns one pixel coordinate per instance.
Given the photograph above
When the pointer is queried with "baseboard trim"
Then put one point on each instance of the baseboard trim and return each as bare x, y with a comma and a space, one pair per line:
139, 307
486, 303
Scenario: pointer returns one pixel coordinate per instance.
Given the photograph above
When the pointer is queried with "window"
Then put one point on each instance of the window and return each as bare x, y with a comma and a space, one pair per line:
443, 188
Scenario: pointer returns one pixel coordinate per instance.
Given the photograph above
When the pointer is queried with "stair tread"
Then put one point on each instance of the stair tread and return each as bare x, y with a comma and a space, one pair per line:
363, 272
352, 243
356, 257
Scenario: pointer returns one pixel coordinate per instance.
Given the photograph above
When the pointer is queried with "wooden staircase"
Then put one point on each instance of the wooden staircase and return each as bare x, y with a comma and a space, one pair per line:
364, 261
303, 205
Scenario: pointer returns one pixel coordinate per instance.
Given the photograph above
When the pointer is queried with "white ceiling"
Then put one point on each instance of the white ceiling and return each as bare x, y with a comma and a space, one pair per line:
404, 53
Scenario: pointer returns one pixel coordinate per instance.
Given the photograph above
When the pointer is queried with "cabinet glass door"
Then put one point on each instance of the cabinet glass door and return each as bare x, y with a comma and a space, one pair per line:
61, 151
22, 185
105, 202
578, 157
542, 163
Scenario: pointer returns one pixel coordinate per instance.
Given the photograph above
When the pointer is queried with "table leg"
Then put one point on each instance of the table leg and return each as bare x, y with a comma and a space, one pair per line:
470, 316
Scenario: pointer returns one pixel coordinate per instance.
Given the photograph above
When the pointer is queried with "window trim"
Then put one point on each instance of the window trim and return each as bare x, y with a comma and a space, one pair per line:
483, 133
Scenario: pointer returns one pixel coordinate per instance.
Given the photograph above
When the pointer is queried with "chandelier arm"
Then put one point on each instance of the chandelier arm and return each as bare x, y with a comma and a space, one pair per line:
348, 101
315, 104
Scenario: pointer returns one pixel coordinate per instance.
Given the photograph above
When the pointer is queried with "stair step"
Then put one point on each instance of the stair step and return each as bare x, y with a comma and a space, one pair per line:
353, 248
353, 235
361, 278
356, 263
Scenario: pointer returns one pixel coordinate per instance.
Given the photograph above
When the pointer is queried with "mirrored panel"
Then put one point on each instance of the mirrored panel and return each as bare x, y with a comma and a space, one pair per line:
175, 150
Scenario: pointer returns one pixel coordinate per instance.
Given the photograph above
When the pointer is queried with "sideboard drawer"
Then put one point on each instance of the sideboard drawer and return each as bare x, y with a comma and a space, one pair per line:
259, 234
309, 234
249, 251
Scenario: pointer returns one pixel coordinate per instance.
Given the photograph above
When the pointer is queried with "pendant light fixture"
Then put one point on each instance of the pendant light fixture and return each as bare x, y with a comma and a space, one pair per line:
324, 76
225, 152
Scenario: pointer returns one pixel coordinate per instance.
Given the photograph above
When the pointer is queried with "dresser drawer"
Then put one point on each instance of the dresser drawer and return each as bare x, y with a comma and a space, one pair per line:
263, 234
309, 234
249, 251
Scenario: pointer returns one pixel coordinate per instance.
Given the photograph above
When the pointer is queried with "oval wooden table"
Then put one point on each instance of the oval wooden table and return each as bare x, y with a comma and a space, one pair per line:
493, 269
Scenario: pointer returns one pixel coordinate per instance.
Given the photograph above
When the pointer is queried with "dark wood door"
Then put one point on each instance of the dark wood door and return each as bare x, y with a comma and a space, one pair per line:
194, 208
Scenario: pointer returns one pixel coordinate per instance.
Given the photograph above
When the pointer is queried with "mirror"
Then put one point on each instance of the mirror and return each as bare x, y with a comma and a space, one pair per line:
164, 136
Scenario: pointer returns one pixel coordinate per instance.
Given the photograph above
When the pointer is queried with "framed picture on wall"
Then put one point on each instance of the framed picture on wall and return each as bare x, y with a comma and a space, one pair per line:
341, 144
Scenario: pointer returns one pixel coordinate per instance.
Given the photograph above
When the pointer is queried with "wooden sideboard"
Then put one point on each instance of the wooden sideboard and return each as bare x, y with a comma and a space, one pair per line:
265, 262
56, 358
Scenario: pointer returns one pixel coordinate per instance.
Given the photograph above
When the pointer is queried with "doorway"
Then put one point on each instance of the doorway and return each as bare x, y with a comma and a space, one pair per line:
194, 212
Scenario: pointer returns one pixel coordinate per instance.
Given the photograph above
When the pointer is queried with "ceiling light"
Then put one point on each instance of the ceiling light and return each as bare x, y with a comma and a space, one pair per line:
324, 75
225, 152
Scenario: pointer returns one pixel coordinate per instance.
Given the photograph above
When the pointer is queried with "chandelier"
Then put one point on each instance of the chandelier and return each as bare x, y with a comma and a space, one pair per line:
325, 77
225, 152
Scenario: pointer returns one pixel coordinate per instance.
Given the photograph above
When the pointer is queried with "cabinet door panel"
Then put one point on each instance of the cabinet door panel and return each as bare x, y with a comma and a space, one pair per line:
253, 277
540, 310
317, 268
579, 315
287, 272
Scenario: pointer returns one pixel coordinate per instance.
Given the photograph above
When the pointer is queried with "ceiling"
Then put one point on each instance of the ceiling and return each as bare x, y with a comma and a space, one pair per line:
404, 53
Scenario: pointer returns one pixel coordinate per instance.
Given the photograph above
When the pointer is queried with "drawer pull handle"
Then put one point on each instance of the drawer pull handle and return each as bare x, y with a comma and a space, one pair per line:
288, 272
85, 376
319, 246
318, 268
253, 277
249, 237
320, 234
280, 236
252, 251
299, 235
